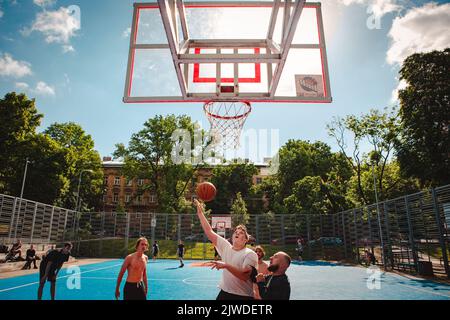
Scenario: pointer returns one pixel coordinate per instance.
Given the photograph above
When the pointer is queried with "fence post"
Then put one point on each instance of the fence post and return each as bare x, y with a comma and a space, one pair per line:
115, 224
102, 233
18, 216
441, 232
410, 232
388, 235
308, 231
34, 220
369, 222
343, 235
65, 223
257, 229
283, 236
11, 225
51, 225
356, 236
127, 232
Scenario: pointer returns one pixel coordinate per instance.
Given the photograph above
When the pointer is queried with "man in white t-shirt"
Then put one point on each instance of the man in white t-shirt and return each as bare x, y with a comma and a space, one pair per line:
238, 261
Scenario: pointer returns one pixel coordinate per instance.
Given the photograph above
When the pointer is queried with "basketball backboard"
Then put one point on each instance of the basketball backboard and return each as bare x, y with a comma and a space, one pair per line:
255, 51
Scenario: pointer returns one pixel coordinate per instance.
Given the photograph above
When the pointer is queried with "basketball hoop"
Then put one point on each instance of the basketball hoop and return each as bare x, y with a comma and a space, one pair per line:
227, 120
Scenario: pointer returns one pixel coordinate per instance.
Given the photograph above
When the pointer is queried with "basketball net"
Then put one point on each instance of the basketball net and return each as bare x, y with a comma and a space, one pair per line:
227, 120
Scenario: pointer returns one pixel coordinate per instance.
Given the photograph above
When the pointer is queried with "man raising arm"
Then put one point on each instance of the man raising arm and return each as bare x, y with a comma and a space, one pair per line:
237, 260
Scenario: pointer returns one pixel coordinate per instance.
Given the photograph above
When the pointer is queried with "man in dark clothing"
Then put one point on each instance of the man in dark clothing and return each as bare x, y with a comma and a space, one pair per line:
155, 250
30, 258
181, 251
50, 266
275, 286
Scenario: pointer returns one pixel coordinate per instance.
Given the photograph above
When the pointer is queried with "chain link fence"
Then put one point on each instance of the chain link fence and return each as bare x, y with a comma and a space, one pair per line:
410, 233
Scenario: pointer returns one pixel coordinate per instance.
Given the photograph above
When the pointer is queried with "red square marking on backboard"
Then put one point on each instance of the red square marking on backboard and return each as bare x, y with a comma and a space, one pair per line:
198, 79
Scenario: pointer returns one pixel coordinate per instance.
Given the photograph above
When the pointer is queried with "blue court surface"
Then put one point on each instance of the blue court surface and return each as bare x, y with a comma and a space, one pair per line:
309, 281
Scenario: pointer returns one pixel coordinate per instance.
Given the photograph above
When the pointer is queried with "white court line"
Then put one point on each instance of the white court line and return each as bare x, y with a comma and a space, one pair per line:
424, 290
69, 275
100, 278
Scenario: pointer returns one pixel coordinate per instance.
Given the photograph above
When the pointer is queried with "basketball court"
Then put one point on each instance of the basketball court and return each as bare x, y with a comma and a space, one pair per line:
313, 280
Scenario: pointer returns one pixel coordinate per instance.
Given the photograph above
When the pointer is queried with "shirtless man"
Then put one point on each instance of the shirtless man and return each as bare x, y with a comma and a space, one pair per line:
237, 260
262, 268
136, 286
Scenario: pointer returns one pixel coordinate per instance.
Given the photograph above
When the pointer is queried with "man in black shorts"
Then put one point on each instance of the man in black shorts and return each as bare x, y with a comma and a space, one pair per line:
275, 286
180, 252
135, 264
50, 266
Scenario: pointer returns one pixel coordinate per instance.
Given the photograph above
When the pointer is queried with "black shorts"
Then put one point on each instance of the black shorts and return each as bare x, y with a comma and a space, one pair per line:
51, 277
155, 254
134, 291
223, 295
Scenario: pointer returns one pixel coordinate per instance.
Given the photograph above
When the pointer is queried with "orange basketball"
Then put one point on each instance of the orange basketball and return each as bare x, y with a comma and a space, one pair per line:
206, 191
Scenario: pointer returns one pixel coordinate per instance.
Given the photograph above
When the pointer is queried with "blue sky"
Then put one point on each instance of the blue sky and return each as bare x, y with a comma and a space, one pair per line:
77, 72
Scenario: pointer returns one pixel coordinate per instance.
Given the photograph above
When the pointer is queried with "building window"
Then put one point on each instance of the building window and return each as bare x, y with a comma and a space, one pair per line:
258, 180
105, 180
117, 181
129, 182
152, 198
105, 198
139, 200
127, 198
116, 198
140, 182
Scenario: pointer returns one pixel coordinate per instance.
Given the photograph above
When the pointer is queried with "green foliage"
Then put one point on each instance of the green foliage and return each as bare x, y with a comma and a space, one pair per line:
231, 179
149, 156
19, 141
56, 156
311, 179
381, 131
424, 143
239, 213
79, 155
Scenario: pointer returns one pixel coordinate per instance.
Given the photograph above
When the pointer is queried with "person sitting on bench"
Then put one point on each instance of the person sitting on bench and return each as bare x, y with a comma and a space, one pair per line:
31, 258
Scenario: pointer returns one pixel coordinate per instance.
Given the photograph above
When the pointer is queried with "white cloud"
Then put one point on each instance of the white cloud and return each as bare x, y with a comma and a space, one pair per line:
57, 26
126, 33
22, 85
379, 7
1, 13
68, 48
422, 29
44, 89
44, 3
13, 68
41, 88
401, 85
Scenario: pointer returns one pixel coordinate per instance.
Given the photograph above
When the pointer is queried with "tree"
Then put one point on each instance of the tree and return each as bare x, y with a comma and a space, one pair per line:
424, 143
378, 129
19, 141
79, 155
231, 179
310, 177
239, 213
19, 119
149, 156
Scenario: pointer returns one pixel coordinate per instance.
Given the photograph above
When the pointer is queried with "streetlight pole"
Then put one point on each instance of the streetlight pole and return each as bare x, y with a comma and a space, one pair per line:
77, 204
78, 191
21, 195
378, 216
